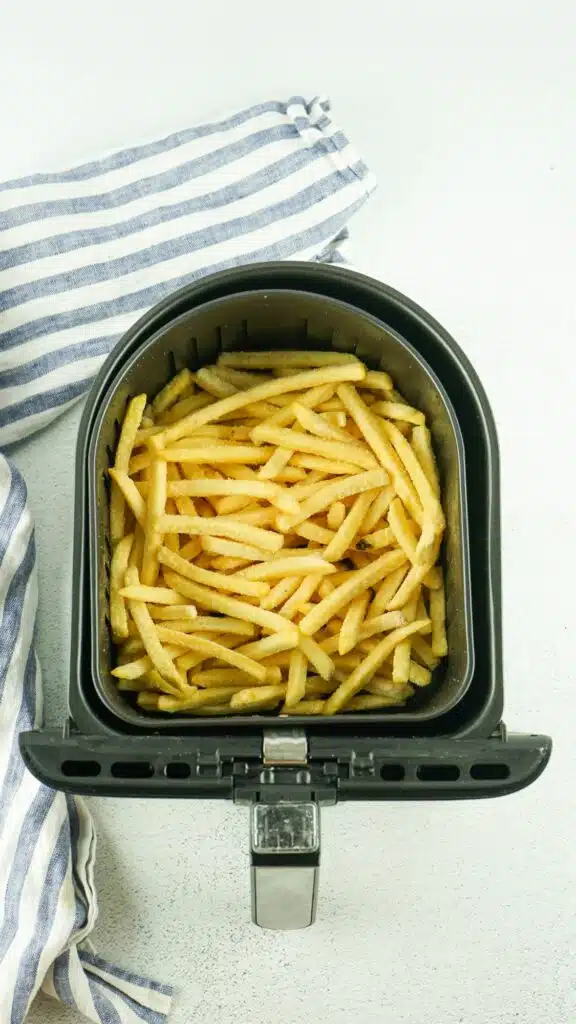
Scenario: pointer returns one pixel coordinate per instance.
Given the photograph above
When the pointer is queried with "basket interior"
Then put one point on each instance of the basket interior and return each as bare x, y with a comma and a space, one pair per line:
280, 320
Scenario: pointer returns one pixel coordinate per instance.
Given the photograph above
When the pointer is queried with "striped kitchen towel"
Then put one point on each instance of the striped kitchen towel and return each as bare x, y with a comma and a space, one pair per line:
83, 253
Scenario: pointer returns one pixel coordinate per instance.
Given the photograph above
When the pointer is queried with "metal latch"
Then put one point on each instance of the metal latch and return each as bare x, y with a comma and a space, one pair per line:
284, 845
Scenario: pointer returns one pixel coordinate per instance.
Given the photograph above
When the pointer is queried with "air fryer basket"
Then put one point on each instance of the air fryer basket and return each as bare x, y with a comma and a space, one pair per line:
279, 320
453, 745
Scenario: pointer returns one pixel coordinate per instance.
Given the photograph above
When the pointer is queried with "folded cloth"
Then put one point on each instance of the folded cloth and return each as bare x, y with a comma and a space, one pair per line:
83, 253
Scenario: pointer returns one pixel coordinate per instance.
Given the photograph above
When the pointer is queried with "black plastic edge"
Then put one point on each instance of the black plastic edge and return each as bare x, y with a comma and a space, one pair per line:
440, 769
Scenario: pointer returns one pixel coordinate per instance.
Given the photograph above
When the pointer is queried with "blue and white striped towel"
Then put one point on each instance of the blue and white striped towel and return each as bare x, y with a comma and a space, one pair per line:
83, 253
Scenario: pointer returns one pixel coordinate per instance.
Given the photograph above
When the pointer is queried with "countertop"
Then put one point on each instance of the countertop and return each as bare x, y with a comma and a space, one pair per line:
443, 913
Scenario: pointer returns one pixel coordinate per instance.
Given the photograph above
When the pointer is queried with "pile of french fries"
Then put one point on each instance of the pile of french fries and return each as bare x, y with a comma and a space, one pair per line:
276, 522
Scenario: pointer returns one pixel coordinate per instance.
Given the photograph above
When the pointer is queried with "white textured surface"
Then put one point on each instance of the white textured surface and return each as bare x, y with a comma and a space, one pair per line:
445, 913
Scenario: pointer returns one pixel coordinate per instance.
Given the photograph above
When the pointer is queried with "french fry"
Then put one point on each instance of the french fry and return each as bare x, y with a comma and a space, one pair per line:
261, 489
398, 411
345, 451
184, 407
180, 385
424, 652
401, 657
328, 466
276, 463
315, 656
217, 602
173, 612
354, 371
428, 499
336, 490
402, 530
386, 591
300, 565
438, 616
345, 593
318, 534
296, 688
156, 504
368, 668
315, 424
377, 510
215, 695
254, 535
232, 548
375, 541
419, 675
336, 515
307, 707
152, 595
376, 380
284, 359
146, 627
422, 445
346, 534
211, 649
130, 492
280, 592
303, 593
235, 583
118, 566
258, 698
352, 623
229, 453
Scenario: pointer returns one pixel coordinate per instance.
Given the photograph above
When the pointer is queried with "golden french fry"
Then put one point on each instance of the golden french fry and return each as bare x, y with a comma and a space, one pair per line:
197, 699
146, 627
311, 378
376, 437
134, 499
318, 534
316, 656
180, 385
235, 583
128, 432
306, 707
284, 359
345, 451
398, 411
117, 514
437, 603
208, 379
241, 532
378, 509
229, 453
341, 597
336, 515
376, 380
375, 541
258, 697
423, 651
303, 593
386, 591
368, 668
184, 408
280, 592
153, 595
253, 489
325, 495
118, 567
315, 424
214, 601
296, 688
419, 675
346, 535
352, 623
427, 497
233, 549
157, 480
422, 445
401, 657
301, 565
328, 466
401, 528
276, 463
211, 649
369, 703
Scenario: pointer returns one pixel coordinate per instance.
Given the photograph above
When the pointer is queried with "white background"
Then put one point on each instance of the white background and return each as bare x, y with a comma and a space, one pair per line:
456, 913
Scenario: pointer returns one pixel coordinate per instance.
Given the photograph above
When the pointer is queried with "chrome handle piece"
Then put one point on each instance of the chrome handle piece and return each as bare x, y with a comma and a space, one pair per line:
285, 854
284, 843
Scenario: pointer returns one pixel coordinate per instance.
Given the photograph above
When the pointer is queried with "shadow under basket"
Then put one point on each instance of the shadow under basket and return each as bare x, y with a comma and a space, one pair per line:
448, 742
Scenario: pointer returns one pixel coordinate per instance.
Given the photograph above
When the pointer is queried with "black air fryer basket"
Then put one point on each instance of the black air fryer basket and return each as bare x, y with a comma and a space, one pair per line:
449, 743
